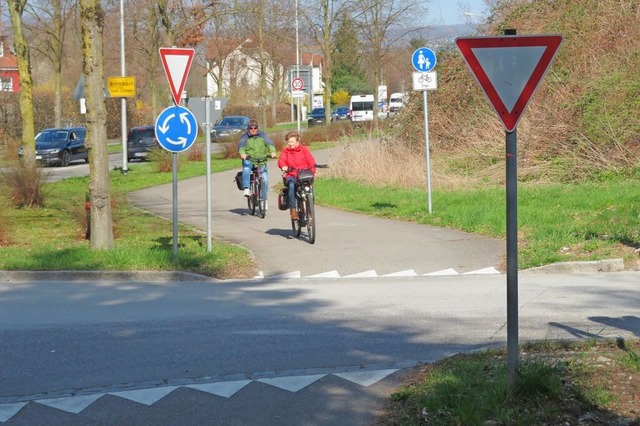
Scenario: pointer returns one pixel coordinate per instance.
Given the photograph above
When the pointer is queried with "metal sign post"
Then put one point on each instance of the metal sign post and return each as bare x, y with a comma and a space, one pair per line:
423, 60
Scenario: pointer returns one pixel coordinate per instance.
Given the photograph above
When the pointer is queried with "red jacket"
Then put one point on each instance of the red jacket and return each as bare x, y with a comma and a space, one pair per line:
299, 157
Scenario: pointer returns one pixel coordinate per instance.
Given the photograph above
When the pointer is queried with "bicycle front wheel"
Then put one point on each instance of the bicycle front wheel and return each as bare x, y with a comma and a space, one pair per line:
297, 224
253, 198
311, 218
262, 200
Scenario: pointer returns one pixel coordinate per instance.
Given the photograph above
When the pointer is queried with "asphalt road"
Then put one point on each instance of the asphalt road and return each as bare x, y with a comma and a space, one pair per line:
269, 352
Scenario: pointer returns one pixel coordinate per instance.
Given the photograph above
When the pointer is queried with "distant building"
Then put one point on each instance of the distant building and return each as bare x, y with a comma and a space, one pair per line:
9, 77
235, 70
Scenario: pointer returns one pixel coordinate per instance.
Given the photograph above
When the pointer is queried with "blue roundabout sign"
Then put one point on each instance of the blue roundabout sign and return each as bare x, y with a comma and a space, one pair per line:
176, 129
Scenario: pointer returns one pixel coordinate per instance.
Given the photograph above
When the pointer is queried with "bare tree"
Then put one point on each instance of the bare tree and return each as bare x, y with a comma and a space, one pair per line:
16, 9
50, 29
322, 17
92, 17
384, 23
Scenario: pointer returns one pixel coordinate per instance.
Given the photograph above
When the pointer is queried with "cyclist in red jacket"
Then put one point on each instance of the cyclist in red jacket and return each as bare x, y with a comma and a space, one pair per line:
295, 156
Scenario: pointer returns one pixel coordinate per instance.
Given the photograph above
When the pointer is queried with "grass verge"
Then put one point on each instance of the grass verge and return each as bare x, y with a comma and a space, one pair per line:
53, 237
562, 222
569, 383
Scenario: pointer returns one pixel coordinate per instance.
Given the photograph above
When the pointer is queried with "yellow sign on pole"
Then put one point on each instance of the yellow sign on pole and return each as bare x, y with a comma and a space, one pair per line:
122, 87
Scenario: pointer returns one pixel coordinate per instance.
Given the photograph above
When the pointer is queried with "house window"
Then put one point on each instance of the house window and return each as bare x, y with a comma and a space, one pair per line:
1, 49
6, 84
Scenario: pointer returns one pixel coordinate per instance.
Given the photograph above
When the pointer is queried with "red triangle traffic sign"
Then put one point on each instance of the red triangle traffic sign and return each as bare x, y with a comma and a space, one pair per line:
509, 69
177, 63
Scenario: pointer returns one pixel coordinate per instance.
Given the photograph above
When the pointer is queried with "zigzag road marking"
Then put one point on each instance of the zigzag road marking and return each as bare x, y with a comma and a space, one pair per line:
373, 274
75, 404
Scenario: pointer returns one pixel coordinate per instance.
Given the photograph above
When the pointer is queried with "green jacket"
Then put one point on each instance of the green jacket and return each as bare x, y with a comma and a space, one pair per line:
257, 147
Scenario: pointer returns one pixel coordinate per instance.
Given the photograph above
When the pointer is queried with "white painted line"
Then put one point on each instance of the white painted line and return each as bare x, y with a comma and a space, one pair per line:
406, 273
145, 396
295, 274
224, 389
71, 404
365, 378
449, 271
9, 410
329, 274
366, 274
292, 383
485, 271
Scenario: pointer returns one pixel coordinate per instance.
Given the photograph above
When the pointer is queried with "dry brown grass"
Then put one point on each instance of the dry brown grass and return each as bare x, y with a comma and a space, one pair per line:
582, 122
24, 182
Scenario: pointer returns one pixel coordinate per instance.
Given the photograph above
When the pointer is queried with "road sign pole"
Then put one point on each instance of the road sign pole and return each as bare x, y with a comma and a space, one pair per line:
207, 127
426, 142
512, 257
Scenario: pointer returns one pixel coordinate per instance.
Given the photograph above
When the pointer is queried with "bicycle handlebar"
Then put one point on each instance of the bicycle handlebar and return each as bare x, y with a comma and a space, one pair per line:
317, 166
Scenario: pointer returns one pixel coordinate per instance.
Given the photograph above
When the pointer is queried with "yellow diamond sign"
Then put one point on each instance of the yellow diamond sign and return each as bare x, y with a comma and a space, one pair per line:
122, 87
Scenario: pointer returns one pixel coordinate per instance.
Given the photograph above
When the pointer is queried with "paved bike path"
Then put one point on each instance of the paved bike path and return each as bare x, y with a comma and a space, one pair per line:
347, 244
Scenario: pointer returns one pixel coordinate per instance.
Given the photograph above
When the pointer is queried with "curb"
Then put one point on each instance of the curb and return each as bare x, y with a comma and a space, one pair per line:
606, 265
150, 276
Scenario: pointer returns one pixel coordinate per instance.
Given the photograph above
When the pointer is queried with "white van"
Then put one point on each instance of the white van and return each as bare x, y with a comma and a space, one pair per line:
361, 108
397, 101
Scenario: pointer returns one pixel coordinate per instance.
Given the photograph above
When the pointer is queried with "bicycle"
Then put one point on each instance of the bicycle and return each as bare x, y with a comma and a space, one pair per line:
258, 197
305, 203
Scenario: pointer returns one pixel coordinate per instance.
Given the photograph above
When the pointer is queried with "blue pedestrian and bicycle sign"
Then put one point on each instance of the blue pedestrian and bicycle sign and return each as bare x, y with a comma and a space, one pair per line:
424, 59
176, 129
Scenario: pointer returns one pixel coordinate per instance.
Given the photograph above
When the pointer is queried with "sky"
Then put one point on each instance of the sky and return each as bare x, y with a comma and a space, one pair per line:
449, 12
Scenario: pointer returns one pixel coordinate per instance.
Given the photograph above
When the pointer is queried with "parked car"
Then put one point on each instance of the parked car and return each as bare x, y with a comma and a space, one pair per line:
317, 116
141, 140
230, 128
343, 113
60, 146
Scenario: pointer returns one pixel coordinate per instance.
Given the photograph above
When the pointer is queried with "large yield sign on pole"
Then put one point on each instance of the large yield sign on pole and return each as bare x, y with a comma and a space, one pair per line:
177, 63
509, 69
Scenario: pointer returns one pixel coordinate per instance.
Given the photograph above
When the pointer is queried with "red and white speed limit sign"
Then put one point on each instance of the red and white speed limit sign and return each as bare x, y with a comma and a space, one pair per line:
297, 84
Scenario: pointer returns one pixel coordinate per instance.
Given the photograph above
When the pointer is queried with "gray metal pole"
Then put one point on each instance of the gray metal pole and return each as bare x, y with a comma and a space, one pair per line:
123, 101
426, 142
207, 127
174, 188
512, 252
512, 258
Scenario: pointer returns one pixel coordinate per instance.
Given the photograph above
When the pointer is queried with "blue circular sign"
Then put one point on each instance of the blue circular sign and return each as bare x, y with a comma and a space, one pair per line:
424, 59
176, 129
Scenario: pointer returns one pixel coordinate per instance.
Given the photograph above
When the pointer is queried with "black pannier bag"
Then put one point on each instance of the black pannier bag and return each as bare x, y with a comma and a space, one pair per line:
283, 199
238, 180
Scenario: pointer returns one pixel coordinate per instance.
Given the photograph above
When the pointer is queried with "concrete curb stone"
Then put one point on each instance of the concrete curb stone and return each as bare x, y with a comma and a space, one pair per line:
606, 265
148, 276
587, 267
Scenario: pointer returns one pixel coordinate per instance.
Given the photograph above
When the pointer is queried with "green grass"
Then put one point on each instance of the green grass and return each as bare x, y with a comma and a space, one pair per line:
556, 223
52, 237
556, 383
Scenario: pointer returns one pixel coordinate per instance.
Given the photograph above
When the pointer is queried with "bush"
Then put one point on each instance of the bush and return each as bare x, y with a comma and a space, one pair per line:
25, 182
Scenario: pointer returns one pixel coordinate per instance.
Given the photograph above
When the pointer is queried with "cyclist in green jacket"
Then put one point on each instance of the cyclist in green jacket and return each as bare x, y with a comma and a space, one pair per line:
255, 145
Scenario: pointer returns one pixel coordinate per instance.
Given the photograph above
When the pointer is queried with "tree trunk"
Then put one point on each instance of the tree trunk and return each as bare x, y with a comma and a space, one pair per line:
16, 7
92, 16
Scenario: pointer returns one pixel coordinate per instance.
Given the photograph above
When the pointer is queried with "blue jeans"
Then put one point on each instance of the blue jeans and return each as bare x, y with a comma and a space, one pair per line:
246, 173
291, 184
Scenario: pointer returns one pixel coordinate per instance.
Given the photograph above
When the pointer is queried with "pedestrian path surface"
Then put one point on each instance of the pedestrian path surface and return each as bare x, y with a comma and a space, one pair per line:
346, 242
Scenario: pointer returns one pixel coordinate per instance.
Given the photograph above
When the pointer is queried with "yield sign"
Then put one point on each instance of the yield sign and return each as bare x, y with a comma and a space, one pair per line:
176, 62
509, 69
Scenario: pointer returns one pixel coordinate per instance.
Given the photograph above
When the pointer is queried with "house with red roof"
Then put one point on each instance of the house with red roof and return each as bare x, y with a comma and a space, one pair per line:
9, 77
